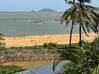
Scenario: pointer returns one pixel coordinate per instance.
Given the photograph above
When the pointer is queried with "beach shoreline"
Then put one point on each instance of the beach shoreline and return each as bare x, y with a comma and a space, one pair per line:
36, 40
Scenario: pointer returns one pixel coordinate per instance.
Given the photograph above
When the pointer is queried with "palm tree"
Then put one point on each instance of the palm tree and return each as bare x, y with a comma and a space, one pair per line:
81, 14
2, 44
1, 36
85, 58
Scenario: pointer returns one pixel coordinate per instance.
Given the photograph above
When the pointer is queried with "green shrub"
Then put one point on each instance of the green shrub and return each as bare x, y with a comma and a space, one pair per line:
85, 59
9, 69
96, 70
50, 45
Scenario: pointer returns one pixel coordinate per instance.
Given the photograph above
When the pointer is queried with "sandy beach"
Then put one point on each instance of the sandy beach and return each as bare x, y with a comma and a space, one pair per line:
41, 39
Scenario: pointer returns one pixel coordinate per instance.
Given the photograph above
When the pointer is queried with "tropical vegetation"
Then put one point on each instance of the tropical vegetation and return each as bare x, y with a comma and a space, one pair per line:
84, 58
9, 69
84, 15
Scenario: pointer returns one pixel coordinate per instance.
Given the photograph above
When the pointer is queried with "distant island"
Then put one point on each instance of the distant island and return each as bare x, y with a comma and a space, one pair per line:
33, 11
47, 10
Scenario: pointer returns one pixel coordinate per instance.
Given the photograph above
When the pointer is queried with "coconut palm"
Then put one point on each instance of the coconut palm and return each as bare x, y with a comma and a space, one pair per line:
2, 44
1, 36
83, 58
81, 14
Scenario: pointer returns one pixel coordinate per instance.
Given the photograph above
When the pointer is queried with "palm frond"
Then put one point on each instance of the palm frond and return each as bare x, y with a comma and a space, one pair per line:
82, 14
84, 30
88, 1
87, 27
84, 59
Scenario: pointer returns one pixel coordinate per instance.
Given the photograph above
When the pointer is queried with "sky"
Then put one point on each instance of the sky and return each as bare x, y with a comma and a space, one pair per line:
29, 5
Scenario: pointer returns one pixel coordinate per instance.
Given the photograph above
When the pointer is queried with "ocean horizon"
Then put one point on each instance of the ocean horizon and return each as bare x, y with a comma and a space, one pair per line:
14, 24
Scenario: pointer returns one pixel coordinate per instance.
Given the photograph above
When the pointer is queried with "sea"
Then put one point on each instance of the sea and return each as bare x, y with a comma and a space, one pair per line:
14, 24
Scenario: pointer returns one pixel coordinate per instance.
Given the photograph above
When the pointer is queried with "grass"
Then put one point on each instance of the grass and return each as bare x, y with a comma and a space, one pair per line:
51, 48
28, 65
11, 69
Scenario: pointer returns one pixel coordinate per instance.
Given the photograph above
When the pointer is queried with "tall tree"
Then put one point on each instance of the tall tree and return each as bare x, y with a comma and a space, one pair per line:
82, 14
84, 59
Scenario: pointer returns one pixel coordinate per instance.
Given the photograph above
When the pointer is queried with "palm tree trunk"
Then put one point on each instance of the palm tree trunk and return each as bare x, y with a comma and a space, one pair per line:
74, 1
80, 39
71, 34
